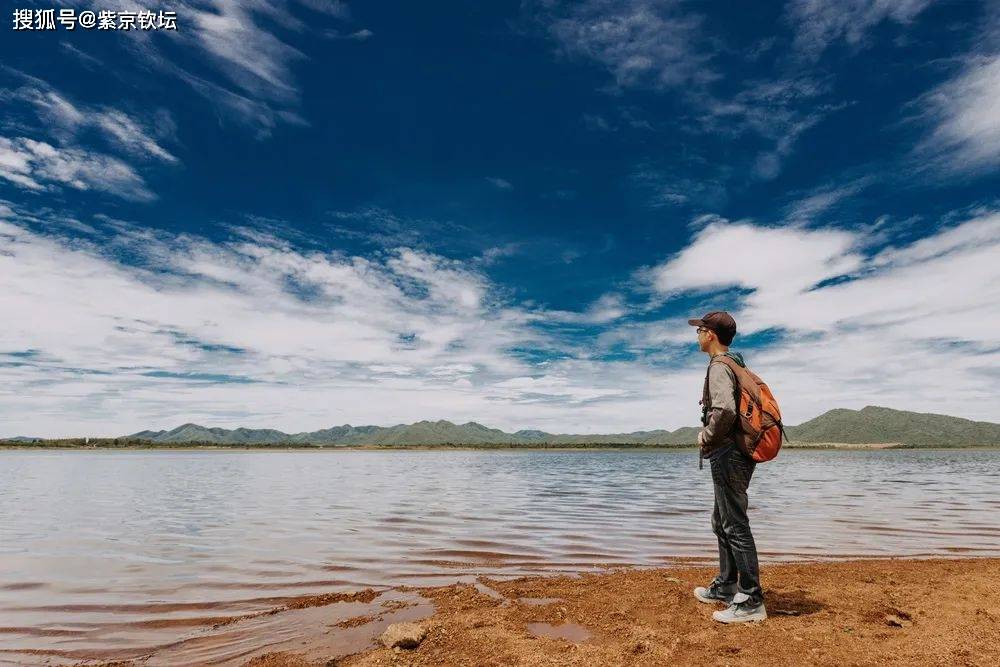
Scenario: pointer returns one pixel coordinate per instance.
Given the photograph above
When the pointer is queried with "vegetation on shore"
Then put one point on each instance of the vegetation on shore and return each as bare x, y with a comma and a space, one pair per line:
131, 444
870, 427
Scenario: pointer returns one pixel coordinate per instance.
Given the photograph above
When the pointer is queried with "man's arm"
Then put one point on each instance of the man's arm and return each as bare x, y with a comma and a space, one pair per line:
722, 390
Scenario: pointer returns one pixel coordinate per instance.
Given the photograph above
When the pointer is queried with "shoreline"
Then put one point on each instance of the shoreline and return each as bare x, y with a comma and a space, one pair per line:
880, 446
863, 611
898, 611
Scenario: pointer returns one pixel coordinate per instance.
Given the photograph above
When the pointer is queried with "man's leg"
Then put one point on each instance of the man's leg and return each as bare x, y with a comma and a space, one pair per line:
723, 587
728, 573
732, 502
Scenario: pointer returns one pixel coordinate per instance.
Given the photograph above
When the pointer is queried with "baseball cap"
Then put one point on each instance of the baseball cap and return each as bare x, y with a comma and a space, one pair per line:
719, 321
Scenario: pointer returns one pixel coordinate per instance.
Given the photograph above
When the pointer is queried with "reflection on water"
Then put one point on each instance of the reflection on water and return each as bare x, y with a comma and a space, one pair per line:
573, 632
131, 550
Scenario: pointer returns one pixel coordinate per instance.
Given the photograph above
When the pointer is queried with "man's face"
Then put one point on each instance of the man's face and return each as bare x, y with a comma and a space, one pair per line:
705, 337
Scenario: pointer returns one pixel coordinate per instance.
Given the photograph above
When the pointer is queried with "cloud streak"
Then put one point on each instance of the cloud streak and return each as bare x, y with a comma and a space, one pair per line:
71, 160
66, 120
965, 112
261, 332
38, 166
859, 329
651, 43
821, 23
248, 47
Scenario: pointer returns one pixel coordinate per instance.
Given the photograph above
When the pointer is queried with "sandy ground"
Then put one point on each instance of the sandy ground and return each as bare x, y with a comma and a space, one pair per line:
870, 612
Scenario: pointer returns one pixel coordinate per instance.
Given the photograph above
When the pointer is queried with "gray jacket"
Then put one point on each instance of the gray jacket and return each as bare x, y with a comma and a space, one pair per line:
720, 411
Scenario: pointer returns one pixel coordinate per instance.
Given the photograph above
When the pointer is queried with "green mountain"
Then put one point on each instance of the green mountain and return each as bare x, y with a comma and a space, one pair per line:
420, 433
869, 425
874, 424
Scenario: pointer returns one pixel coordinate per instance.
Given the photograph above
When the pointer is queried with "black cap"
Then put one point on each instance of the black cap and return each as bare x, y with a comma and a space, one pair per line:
719, 321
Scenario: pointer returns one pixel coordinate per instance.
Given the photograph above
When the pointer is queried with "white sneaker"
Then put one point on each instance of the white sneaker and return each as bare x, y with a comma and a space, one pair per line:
715, 593
741, 611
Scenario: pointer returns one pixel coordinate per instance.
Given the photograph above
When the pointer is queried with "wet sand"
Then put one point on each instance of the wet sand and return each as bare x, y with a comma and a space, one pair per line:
889, 612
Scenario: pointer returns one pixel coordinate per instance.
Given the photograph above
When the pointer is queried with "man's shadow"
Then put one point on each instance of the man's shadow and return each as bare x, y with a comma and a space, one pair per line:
791, 603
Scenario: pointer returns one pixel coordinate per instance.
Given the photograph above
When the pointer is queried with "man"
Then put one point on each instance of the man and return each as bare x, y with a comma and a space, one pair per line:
738, 582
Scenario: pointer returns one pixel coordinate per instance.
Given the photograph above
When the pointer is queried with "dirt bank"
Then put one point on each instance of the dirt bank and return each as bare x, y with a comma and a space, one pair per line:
872, 612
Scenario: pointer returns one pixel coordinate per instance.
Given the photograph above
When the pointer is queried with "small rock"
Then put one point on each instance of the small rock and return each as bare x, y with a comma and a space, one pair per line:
787, 612
673, 580
640, 647
403, 635
897, 622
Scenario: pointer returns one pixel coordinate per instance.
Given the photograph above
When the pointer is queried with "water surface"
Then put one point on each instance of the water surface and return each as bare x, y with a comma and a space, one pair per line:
132, 549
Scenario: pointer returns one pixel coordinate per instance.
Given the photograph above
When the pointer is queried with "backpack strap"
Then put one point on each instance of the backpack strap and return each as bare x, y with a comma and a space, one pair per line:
744, 378
705, 397
720, 359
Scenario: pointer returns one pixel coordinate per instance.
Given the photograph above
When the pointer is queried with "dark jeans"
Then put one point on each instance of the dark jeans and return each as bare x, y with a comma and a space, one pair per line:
731, 475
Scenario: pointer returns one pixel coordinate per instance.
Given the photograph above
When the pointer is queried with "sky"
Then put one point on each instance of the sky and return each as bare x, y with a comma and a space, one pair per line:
300, 214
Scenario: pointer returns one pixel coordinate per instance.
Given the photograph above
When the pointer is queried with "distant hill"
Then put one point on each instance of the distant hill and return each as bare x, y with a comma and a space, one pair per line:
869, 425
873, 424
420, 433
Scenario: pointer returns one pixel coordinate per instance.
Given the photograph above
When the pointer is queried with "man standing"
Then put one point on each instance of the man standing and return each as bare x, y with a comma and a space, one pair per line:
738, 581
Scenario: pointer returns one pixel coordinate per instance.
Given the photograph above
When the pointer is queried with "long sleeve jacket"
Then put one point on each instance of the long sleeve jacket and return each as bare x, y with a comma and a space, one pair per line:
719, 401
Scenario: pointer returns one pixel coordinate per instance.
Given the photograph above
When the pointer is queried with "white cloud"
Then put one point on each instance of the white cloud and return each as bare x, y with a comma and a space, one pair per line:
666, 188
499, 183
495, 254
356, 36
304, 338
36, 165
664, 45
88, 61
259, 332
607, 308
780, 111
820, 201
244, 43
64, 119
252, 57
916, 327
597, 122
778, 260
547, 387
641, 42
130, 134
820, 23
966, 116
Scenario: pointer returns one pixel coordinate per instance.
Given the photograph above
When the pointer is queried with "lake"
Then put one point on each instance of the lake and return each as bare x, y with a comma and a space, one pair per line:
132, 549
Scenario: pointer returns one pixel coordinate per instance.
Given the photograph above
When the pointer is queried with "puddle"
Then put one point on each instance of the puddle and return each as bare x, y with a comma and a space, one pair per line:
316, 633
573, 632
488, 592
491, 592
538, 602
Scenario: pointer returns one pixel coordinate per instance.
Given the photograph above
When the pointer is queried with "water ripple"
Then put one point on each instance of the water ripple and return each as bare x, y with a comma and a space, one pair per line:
126, 549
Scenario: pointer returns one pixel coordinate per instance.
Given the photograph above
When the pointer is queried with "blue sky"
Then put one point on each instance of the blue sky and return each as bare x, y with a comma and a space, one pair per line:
300, 214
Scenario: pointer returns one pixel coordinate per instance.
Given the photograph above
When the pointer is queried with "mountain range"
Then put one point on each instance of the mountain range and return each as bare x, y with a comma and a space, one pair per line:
869, 425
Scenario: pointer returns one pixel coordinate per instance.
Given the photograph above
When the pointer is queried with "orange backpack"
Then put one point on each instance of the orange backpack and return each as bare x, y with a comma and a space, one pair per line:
760, 431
